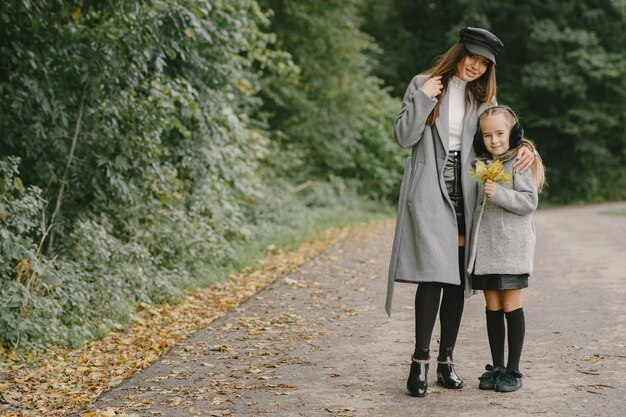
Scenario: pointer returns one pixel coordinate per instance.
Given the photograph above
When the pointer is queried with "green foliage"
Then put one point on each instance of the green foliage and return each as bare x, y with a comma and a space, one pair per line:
160, 139
46, 300
332, 118
26, 279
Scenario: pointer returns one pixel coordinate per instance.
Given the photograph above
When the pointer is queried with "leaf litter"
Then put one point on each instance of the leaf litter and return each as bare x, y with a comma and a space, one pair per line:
65, 381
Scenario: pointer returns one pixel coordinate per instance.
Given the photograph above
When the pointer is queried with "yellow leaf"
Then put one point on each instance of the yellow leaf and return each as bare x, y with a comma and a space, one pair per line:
219, 348
189, 33
481, 169
77, 15
493, 171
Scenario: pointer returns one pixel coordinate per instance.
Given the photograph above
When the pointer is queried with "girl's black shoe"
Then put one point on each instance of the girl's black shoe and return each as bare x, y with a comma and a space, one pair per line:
488, 379
509, 381
417, 384
446, 375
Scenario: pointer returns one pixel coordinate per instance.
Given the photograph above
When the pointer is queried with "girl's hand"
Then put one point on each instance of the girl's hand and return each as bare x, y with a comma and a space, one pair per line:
490, 188
432, 87
525, 158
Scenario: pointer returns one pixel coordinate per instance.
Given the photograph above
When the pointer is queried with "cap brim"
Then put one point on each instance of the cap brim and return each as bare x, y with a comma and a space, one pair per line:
480, 50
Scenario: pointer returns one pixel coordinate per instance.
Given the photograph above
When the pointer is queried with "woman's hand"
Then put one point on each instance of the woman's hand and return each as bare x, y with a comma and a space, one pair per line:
490, 188
525, 158
432, 87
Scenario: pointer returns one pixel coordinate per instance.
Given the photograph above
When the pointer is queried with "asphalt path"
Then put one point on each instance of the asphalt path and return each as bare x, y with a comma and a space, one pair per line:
317, 342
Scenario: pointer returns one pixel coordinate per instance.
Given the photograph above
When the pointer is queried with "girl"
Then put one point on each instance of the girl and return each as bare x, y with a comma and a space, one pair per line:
503, 243
438, 120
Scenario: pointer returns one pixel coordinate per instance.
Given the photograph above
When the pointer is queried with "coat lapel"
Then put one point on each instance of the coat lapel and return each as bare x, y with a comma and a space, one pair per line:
442, 122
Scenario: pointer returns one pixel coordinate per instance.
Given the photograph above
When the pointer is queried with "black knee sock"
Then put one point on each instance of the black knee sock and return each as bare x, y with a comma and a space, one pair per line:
516, 328
496, 334
426, 306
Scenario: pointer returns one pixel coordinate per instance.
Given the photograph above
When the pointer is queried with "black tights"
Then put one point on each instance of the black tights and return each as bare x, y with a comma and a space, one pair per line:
427, 299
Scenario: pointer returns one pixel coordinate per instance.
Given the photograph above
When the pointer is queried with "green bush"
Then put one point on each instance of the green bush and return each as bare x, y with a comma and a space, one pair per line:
163, 143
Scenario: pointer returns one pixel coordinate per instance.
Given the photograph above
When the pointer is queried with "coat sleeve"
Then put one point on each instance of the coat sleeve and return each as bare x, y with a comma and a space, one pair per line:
522, 199
416, 106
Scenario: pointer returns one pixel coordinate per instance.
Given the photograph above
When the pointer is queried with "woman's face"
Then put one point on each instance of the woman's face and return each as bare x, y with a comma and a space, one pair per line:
495, 129
471, 67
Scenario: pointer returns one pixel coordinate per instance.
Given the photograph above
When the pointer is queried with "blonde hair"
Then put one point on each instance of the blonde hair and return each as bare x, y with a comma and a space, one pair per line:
482, 90
538, 169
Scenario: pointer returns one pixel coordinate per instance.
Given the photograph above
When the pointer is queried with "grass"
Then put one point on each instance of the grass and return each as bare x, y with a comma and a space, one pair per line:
291, 235
619, 212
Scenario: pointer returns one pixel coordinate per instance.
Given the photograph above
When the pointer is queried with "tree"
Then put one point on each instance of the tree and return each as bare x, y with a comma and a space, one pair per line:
334, 118
562, 69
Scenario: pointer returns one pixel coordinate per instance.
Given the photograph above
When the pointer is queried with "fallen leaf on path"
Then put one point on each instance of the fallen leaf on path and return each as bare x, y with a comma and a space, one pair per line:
219, 413
593, 358
174, 402
589, 371
337, 410
596, 392
601, 386
291, 281
503, 405
219, 348
64, 381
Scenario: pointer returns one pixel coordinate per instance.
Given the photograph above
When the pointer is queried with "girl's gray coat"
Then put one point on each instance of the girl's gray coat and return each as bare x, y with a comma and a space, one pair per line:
425, 247
503, 234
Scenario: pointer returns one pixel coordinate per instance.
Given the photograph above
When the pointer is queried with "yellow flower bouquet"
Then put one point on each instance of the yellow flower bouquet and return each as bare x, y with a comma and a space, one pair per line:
490, 171
493, 171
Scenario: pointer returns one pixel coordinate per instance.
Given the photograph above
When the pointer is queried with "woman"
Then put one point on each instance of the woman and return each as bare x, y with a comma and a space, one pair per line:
438, 120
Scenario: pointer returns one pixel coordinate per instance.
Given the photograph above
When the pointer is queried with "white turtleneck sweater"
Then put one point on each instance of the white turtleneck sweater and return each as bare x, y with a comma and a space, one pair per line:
456, 98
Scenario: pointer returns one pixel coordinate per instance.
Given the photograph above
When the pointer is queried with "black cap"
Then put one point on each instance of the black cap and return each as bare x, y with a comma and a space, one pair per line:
481, 42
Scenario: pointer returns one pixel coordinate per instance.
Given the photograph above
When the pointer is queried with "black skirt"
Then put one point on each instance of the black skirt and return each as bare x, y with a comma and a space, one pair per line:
499, 282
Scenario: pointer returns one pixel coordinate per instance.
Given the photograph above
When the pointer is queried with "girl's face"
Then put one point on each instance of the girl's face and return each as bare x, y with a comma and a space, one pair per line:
472, 67
495, 130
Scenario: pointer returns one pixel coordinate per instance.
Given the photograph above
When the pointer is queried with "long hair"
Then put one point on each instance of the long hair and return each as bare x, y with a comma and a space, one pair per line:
481, 90
538, 170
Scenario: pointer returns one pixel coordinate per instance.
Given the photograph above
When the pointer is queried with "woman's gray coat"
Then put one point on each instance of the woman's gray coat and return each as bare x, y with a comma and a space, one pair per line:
425, 247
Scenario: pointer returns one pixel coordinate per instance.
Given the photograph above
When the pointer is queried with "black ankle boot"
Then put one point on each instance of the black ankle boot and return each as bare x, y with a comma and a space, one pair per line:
417, 384
446, 376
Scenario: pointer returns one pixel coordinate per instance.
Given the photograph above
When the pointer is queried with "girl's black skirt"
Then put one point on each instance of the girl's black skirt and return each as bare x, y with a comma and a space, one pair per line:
499, 282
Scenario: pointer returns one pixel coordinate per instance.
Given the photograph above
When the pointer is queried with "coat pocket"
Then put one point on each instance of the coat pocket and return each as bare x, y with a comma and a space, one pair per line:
416, 172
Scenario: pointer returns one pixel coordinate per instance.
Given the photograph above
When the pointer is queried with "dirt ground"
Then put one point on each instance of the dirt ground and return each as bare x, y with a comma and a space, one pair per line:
318, 342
